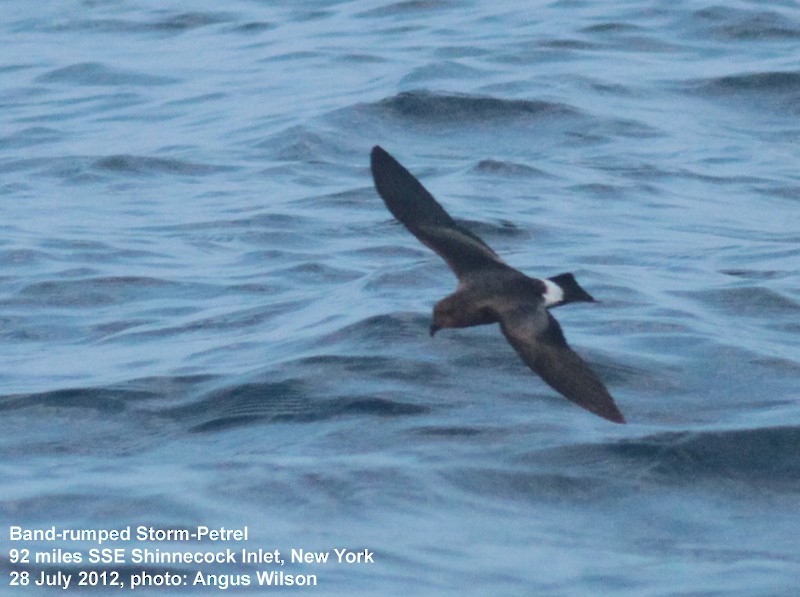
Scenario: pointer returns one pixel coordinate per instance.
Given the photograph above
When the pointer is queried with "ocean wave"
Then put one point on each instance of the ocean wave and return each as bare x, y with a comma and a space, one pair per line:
757, 459
289, 401
107, 400
430, 107
736, 24
763, 83
172, 23
760, 457
134, 164
504, 168
746, 301
776, 90
36, 135
94, 291
77, 169
96, 73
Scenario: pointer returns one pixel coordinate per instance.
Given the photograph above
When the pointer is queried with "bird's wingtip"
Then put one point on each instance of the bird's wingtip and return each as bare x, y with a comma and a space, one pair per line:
615, 416
379, 158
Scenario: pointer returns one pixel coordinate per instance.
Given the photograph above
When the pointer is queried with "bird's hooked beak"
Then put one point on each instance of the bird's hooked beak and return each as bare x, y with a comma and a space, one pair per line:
434, 328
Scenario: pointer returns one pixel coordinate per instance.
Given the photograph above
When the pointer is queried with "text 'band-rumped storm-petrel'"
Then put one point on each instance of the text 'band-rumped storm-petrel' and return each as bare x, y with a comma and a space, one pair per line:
490, 291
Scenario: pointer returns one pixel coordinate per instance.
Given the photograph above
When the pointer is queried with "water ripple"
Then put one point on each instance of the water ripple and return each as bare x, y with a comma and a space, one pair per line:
96, 73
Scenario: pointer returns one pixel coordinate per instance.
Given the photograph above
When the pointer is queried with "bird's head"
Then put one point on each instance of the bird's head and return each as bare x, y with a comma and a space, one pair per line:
459, 311
445, 314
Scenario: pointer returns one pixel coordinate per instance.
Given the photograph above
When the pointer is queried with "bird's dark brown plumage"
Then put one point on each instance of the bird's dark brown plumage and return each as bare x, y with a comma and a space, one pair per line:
490, 291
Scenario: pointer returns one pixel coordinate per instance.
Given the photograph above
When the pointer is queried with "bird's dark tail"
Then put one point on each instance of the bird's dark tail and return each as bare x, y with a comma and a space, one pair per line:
572, 290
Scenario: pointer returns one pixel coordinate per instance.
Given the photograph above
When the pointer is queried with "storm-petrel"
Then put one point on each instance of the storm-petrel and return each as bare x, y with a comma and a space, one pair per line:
490, 291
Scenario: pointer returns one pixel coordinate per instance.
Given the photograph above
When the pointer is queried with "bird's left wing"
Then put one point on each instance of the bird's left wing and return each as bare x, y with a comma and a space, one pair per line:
537, 337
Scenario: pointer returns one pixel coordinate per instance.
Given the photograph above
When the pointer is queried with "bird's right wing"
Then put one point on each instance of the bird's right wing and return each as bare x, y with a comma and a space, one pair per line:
538, 339
417, 210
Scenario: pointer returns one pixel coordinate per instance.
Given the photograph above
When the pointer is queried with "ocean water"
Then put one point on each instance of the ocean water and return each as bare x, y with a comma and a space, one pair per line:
208, 317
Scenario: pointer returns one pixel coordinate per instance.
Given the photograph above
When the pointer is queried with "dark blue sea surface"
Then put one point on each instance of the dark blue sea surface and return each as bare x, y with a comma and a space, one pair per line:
208, 316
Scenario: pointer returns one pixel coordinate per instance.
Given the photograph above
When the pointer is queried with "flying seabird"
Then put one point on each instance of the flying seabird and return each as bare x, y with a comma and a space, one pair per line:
490, 291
